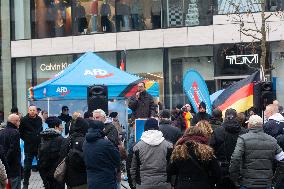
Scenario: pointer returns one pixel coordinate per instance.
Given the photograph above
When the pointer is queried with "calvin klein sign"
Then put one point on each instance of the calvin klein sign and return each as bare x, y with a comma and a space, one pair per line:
243, 59
53, 66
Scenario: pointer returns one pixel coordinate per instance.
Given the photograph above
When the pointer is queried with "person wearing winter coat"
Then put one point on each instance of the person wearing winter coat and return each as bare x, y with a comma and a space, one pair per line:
275, 121
10, 143
252, 161
193, 161
148, 161
201, 115
223, 141
101, 157
76, 175
49, 152
216, 120
170, 132
110, 131
64, 116
142, 103
30, 128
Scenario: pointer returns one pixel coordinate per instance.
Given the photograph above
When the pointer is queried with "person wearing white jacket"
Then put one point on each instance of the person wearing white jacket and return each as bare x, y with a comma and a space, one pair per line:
146, 165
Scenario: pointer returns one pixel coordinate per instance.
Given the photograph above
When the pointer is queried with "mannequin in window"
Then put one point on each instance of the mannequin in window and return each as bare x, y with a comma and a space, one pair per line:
59, 24
82, 20
156, 14
94, 12
136, 11
122, 15
105, 13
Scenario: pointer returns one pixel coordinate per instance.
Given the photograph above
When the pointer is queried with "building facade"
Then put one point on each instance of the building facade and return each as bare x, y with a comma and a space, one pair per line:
158, 39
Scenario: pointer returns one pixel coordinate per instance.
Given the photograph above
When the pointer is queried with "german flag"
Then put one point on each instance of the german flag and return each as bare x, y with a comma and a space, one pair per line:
238, 96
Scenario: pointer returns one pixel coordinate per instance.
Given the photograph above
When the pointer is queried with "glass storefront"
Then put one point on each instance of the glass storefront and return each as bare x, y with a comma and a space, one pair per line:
277, 61
180, 61
57, 18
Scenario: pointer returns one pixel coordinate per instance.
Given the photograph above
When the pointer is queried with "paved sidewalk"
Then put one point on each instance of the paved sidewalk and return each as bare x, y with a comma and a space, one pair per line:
36, 182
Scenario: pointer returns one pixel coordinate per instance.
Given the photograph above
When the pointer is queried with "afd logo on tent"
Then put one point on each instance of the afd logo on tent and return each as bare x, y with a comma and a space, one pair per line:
63, 91
98, 73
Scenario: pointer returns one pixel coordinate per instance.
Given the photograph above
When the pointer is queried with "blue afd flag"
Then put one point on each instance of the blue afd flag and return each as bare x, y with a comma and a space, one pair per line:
196, 90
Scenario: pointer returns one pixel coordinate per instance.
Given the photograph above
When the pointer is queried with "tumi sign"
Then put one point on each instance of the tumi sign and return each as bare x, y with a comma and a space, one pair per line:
243, 59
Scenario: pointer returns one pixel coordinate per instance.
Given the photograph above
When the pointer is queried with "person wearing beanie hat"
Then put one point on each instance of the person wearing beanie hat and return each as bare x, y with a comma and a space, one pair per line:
49, 152
76, 176
224, 140
201, 115
170, 132
151, 124
149, 158
102, 158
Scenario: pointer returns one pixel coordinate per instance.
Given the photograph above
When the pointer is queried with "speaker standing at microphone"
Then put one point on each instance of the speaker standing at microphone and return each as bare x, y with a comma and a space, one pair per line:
142, 103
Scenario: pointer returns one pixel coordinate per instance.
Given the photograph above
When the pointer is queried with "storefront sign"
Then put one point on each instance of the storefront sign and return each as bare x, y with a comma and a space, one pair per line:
243, 59
53, 66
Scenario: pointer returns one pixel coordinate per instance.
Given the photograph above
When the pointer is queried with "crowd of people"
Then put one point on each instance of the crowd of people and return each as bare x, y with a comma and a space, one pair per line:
177, 150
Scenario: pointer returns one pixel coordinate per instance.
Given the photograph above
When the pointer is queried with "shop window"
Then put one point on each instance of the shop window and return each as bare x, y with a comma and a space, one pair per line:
52, 18
189, 13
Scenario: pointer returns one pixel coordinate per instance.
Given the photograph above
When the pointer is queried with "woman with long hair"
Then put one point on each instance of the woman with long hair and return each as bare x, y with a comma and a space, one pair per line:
193, 161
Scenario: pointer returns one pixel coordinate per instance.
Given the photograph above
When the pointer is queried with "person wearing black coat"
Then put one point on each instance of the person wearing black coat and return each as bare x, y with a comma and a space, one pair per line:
216, 120
48, 155
76, 175
224, 140
201, 115
64, 116
101, 157
30, 128
170, 132
10, 141
193, 162
142, 103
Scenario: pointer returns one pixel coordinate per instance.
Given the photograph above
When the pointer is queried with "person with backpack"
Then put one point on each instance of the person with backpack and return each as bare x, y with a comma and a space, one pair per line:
223, 141
76, 175
49, 152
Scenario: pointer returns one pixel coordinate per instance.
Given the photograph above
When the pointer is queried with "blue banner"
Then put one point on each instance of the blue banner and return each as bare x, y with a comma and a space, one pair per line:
196, 90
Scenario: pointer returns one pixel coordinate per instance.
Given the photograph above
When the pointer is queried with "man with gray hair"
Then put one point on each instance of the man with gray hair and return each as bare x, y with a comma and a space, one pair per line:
109, 130
252, 161
170, 132
275, 121
10, 140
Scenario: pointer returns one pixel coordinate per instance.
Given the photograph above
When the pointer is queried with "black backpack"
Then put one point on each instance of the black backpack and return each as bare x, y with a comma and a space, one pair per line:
75, 157
48, 153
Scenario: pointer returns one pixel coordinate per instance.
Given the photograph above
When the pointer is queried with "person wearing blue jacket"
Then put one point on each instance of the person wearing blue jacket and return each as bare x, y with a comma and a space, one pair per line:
102, 158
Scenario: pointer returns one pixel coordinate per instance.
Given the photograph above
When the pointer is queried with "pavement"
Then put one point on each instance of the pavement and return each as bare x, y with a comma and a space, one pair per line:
36, 182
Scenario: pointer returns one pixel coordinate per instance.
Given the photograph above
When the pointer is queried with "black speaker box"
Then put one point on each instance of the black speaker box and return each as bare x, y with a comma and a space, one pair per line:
97, 98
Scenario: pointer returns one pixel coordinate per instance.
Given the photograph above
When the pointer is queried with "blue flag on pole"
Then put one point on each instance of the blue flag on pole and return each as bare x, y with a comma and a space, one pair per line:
196, 90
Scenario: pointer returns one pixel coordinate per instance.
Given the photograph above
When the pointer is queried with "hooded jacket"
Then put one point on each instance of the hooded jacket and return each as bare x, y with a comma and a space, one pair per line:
224, 139
30, 129
10, 140
275, 125
102, 159
76, 175
148, 161
49, 151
